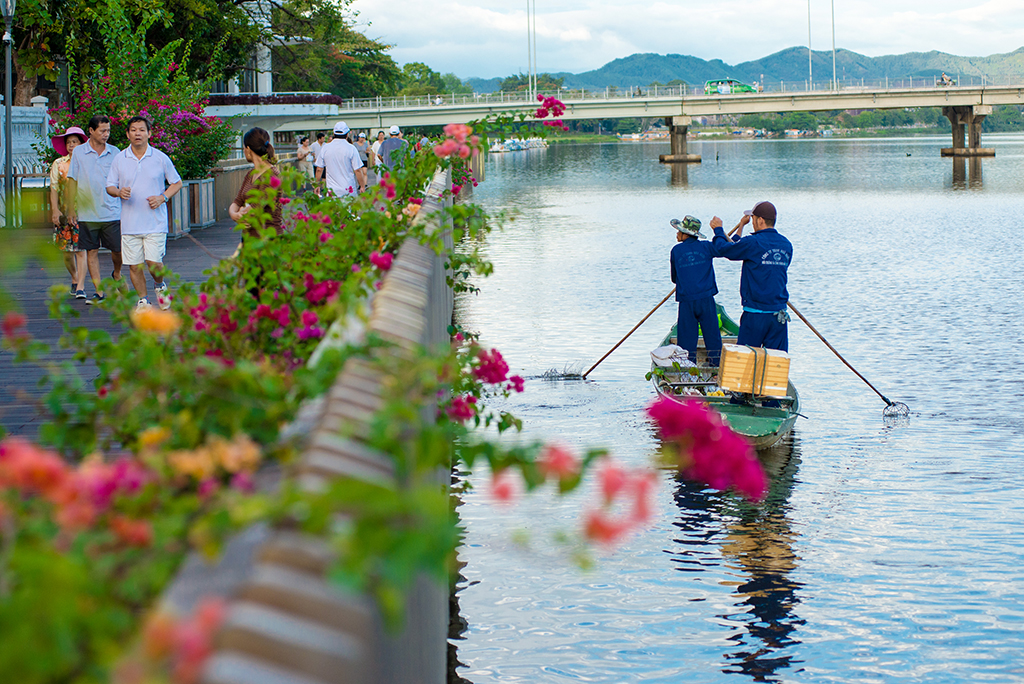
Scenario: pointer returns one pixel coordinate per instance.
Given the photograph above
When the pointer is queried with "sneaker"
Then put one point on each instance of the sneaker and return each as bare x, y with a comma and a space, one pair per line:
74, 289
143, 305
96, 298
163, 298
79, 294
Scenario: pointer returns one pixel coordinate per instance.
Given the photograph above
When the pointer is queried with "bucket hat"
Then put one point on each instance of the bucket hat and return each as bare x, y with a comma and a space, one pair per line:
690, 225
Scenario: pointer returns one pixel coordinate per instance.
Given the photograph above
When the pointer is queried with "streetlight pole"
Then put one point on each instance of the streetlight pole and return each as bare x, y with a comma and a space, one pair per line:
835, 85
8, 11
810, 76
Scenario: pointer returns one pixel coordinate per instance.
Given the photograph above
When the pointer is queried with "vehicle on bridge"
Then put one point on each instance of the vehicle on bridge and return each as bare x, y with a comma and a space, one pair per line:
727, 86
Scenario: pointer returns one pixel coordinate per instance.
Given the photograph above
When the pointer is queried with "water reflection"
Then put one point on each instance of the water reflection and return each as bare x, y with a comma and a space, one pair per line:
757, 543
680, 177
961, 181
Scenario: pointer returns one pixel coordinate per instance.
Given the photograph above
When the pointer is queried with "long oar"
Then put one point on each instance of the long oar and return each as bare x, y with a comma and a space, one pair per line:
630, 333
895, 409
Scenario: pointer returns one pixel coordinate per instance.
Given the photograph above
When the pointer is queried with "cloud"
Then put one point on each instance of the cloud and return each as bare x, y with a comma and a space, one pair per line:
488, 38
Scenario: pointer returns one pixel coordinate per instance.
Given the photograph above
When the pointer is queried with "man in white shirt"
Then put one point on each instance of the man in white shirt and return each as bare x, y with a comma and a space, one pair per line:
317, 146
340, 163
98, 214
145, 180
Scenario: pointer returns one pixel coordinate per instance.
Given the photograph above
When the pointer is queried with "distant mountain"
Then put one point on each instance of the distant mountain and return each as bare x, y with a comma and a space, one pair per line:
790, 64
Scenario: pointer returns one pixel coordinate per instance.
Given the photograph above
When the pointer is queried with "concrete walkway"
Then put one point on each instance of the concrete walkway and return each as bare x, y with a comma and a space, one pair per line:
19, 383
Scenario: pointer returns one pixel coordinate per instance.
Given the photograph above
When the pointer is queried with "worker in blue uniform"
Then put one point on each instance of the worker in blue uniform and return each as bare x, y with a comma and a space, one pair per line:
694, 275
766, 256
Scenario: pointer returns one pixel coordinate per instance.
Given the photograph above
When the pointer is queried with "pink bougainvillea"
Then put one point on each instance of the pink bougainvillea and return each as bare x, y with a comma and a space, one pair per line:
709, 451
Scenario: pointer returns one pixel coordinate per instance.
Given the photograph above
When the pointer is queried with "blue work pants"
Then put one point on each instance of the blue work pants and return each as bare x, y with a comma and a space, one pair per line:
763, 330
704, 313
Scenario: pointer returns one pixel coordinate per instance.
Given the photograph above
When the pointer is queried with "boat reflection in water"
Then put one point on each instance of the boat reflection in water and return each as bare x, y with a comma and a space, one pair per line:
756, 544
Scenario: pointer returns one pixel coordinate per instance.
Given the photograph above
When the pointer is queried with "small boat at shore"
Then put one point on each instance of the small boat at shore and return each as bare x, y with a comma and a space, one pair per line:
765, 421
518, 144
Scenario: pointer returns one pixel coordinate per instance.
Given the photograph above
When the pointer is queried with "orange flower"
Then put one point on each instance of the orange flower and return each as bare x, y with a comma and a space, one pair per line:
198, 463
241, 453
163, 323
132, 532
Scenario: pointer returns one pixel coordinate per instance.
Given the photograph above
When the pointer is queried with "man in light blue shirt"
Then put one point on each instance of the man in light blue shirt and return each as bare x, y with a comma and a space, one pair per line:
98, 214
145, 179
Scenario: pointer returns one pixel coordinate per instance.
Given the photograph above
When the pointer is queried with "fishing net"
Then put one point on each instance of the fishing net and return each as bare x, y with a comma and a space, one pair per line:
896, 409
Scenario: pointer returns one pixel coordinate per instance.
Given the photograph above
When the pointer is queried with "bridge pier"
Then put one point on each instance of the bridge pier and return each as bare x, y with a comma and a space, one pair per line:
969, 117
677, 128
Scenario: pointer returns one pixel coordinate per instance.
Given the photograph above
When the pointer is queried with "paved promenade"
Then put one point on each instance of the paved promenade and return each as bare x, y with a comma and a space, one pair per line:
19, 389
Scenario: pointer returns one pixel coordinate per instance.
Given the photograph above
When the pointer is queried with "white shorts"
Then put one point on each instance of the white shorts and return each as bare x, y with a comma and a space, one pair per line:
138, 248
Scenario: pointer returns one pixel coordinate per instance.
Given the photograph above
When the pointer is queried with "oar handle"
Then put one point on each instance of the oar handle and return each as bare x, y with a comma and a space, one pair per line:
836, 352
651, 313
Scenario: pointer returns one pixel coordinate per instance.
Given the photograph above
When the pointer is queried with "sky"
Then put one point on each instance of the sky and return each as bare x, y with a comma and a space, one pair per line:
488, 38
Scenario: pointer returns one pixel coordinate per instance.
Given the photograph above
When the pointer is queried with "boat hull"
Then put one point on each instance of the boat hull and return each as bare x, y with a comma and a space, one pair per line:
763, 426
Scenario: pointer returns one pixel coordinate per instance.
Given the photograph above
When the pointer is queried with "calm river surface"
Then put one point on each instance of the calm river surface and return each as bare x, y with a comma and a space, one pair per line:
884, 553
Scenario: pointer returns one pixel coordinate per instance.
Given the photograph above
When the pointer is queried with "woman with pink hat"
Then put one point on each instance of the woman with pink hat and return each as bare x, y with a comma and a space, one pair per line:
65, 232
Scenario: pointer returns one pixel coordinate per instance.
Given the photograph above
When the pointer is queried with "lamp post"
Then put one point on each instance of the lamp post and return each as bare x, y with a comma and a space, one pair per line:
835, 84
7, 6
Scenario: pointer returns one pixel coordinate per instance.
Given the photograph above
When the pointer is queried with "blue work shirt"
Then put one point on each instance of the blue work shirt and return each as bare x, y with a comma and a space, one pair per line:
766, 256
693, 271
89, 169
146, 177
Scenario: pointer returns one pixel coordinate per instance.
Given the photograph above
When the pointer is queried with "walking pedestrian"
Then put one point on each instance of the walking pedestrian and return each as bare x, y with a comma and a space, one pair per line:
376, 147
363, 147
145, 179
306, 158
392, 149
65, 227
98, 214
317, 146
259, 152
339, 164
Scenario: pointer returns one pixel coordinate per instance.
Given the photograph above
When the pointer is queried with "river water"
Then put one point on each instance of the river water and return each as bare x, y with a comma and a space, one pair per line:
884, 552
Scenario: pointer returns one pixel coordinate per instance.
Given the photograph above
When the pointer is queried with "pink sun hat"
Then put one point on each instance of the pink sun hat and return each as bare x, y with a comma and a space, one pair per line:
61, 145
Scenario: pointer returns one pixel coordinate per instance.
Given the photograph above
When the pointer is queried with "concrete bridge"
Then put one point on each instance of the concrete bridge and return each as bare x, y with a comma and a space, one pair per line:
965, 106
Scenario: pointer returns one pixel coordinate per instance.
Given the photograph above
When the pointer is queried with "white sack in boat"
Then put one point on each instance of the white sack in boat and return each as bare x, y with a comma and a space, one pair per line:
670, 354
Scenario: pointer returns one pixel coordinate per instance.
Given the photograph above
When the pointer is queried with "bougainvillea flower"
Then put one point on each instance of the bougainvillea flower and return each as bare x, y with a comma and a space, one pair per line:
382, 260
558, 462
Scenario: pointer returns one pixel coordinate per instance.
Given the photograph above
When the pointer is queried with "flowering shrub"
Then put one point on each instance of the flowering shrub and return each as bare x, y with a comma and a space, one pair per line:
135, 83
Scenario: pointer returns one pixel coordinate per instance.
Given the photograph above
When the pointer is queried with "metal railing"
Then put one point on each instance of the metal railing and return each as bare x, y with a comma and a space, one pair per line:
568, 95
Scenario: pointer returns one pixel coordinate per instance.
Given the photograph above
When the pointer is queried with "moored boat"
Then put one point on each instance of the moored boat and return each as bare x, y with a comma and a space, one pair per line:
763, 420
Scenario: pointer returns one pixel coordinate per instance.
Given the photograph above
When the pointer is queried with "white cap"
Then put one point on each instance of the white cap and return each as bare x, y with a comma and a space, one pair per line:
341, 128
395, 130
362, 135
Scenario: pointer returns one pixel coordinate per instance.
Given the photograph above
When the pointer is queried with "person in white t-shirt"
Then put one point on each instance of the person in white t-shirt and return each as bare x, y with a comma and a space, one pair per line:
340, 165
145, 179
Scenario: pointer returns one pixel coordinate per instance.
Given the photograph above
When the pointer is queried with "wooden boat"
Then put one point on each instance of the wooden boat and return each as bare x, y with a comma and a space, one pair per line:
764, 425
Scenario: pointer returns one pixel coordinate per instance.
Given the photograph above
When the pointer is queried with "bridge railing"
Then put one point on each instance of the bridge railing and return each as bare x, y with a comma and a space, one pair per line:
522, 98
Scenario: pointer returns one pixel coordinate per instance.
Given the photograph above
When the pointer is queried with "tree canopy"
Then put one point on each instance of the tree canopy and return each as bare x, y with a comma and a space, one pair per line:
522, 82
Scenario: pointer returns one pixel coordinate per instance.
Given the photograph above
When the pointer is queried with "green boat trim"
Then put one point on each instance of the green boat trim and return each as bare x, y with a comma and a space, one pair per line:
764, 426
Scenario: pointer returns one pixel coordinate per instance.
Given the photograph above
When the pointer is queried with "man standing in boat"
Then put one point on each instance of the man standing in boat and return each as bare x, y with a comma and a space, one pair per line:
766, 256
694, 275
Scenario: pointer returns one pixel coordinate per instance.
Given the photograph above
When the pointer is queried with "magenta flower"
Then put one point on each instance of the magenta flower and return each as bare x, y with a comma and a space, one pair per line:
491, 367
275, 181
460, 410
382, 261
325, 236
